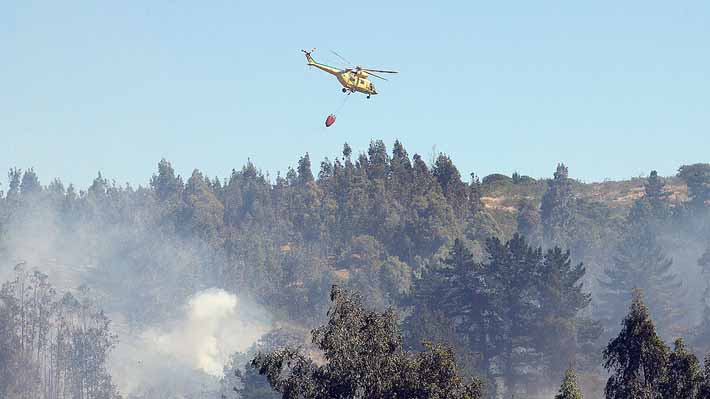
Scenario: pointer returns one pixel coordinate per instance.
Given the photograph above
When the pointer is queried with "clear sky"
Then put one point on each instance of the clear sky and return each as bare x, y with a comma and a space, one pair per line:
612, 88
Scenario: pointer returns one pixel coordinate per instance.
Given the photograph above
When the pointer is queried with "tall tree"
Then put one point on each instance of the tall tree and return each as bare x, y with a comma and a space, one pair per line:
456, 290
14, 176
377, 161
453, 188
697, 177
702, 336
166, 184
49, 348
517, 303
656, 195
305, 174
704, 388
203, 213
561, 299
363, 358
30, 183
684, 374
637, 357
639, 262
557, 208
569, 388
511, 270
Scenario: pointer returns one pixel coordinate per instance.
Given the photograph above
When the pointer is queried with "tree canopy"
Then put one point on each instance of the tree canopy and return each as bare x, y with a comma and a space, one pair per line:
363, 357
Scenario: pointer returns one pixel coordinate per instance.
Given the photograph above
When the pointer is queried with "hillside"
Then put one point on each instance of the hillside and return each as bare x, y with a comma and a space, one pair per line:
501, 195
185, 262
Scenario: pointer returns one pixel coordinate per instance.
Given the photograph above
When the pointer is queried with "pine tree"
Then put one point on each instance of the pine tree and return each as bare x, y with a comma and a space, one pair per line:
30, 183
378, 160
704, 388
637, 357
694, 214
453, 188
516, 304
166, 184
364, 358
459, 290
561, 298
702, 337
454, 290
697, 177
557, 208
684, 374
400, 157
656, 196
347, 151
304, 170
569, 388
639, 262
203, 213
401, 177
510, 277
14, 176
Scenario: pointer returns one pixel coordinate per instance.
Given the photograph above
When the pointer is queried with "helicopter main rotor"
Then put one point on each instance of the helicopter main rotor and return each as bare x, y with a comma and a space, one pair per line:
359, 69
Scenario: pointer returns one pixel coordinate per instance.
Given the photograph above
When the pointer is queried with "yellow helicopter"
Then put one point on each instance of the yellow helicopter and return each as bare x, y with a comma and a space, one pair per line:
353, 79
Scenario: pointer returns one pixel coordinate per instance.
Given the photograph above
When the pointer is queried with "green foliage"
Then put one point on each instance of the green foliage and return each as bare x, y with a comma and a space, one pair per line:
449, 178
569, 388
496, 179
166, 184
704, 388
684, 374
30, 183
561, 299
637, 357
52, 348
304, 170
557, 208
640, 263
702, 337
657, 197
203, 213
697, 177
363, 357
518, 302
403, 233
14, 176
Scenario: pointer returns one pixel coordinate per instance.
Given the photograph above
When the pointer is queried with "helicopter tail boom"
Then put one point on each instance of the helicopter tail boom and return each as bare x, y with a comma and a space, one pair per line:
308, 56
331, 70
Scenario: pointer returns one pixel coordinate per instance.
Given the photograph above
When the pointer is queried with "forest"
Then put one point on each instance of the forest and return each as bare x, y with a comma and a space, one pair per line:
372, 275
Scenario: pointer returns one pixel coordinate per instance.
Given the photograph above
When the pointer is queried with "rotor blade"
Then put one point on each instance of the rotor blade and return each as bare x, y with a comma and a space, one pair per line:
372, 74
378, 70
341, 57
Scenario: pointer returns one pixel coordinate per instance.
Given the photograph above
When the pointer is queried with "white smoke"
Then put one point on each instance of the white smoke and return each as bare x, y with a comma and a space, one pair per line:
190, 352
214, 327
173, 337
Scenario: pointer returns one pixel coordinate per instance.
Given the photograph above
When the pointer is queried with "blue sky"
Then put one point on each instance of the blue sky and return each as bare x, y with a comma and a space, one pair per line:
611, 88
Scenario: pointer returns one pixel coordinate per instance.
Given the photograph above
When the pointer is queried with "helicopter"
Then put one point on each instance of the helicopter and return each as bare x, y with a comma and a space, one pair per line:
353, 79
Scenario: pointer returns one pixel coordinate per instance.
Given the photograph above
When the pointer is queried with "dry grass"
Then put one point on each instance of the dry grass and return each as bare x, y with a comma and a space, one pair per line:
618, 195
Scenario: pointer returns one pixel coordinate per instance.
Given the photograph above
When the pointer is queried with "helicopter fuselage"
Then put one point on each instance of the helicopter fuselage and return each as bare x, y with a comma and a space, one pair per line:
351, 80
356, 81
